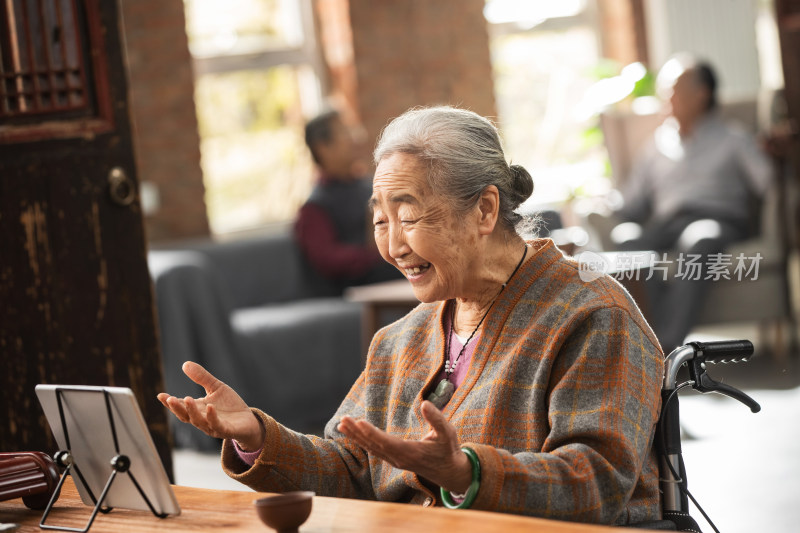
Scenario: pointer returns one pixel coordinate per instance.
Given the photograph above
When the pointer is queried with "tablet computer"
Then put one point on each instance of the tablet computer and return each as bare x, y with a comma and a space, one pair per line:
97, 431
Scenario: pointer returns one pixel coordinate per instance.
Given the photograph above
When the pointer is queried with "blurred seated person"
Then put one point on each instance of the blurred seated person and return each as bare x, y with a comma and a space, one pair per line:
691, 192
331, 227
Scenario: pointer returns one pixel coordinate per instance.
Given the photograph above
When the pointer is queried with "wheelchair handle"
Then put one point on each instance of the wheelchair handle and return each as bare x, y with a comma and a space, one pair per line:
724, 351
710, 352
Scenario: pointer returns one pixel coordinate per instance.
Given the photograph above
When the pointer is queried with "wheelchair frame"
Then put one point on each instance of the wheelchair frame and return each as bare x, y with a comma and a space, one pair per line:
673, 481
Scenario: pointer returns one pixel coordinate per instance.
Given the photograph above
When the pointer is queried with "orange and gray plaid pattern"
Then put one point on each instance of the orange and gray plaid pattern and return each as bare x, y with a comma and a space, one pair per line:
560, 403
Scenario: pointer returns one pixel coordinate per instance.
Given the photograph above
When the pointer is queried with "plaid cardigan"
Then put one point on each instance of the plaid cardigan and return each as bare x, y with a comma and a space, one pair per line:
560, 403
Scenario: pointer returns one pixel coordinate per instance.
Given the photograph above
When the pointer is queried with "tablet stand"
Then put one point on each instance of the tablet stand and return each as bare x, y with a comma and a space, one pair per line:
120, 463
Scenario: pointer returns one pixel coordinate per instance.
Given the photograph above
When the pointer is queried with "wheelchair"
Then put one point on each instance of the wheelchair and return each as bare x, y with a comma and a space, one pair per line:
673, 482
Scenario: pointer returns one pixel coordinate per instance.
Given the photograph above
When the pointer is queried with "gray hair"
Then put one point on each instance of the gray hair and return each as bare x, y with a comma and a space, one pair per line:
464, 156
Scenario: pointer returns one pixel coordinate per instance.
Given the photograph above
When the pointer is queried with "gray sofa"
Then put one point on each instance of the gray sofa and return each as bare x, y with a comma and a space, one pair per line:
254, 314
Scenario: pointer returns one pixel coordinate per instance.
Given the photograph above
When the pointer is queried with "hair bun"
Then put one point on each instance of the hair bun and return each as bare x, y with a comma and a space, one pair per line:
522, 182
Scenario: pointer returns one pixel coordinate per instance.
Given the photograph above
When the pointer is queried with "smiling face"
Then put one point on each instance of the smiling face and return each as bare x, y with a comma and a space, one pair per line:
417, 231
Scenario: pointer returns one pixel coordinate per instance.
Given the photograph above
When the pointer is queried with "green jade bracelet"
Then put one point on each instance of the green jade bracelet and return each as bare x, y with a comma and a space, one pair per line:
472, 492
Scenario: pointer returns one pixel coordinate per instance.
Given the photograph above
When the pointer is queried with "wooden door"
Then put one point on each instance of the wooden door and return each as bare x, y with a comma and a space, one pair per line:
76, 304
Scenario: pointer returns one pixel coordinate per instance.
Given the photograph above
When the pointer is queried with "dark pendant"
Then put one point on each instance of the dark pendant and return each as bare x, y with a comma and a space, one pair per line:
442, 394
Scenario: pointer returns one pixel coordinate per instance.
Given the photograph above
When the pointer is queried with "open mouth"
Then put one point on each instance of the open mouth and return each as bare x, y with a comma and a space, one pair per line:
417, 270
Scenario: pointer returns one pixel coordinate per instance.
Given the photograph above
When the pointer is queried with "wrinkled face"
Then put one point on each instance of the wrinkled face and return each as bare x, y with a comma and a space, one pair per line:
417, 232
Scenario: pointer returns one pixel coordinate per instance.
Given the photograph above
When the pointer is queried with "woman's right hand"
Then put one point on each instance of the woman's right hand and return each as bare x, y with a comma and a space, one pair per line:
221, 413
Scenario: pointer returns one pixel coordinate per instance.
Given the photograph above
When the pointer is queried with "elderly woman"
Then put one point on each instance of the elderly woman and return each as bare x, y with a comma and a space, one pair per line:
542, 390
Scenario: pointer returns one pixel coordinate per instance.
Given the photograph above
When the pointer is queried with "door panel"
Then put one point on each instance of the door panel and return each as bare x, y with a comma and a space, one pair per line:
76, 304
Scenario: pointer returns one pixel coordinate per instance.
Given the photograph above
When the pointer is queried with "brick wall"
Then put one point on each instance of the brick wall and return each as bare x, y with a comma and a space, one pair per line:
622, 30
166, 140
382, 58
399, 54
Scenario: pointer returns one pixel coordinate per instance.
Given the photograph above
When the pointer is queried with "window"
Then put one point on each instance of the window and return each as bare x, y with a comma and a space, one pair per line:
40, 61
257, 83
50, 85
544, 57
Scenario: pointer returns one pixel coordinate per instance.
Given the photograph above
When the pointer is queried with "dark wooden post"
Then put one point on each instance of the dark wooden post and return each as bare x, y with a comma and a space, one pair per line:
76, 303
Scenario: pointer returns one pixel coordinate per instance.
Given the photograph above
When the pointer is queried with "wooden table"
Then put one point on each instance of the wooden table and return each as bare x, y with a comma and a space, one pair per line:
219, 510
389, 300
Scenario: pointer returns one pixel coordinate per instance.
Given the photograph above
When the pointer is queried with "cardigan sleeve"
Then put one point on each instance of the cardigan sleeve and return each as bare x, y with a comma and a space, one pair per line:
603, 404
330, 466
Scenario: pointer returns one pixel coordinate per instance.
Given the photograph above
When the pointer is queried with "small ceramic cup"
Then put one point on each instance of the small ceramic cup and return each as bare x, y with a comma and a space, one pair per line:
285, 512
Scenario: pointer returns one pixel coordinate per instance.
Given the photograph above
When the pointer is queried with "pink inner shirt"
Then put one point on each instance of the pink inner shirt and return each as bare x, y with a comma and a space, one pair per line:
457, 377
249, 458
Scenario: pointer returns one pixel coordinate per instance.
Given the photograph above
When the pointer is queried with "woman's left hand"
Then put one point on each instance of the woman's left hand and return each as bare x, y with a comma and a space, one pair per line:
436, 457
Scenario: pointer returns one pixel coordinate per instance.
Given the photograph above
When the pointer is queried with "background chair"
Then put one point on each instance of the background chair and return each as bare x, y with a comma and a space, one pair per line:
259, 318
